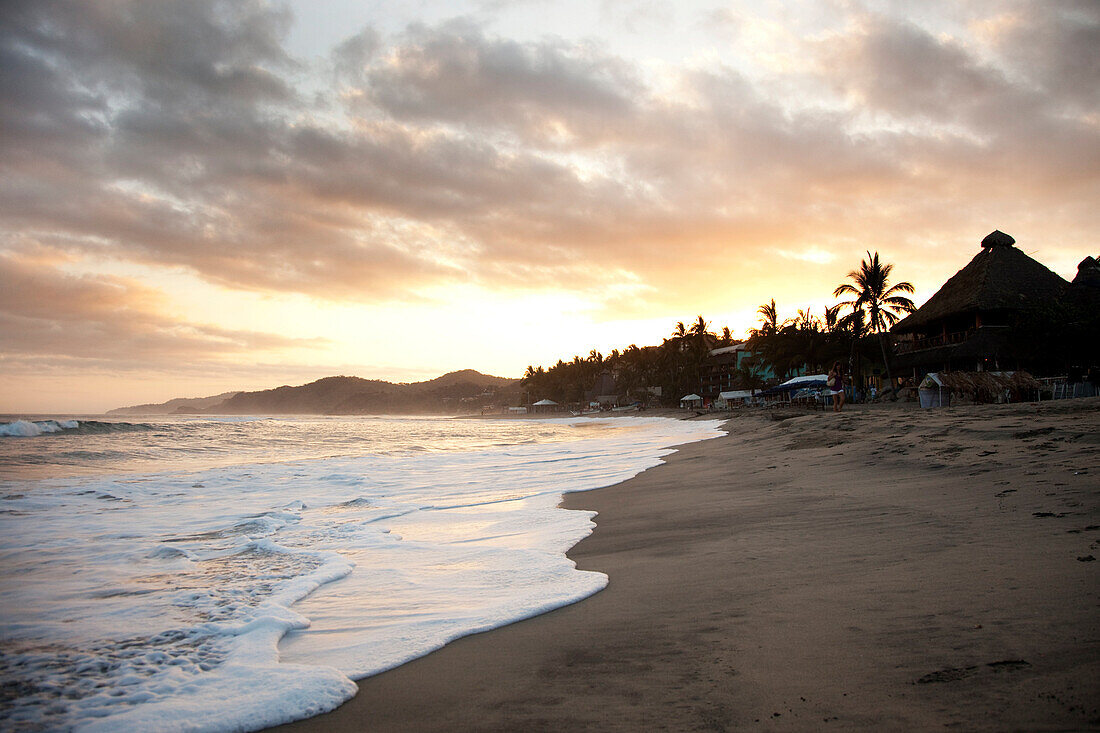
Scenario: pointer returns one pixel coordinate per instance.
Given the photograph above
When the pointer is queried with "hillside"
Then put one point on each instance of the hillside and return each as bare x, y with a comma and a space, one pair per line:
177, 405
454, 393
462, 377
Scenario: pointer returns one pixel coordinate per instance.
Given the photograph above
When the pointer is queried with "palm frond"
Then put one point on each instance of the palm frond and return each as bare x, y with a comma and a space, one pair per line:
889, 318
845, 289
900, 303
902, 287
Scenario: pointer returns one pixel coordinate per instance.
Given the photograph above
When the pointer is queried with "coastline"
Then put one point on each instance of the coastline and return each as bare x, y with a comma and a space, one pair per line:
884, 569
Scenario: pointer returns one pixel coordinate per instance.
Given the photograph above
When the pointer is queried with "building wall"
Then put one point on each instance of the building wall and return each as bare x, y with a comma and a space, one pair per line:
720, 373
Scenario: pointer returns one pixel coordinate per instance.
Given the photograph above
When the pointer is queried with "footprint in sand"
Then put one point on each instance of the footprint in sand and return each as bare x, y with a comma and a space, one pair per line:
954, 674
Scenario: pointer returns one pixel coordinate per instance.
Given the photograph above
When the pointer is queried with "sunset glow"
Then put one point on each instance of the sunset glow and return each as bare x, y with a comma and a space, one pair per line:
204, 196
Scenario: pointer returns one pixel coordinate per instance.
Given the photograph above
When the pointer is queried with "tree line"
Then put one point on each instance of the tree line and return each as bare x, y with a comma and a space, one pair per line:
851, 331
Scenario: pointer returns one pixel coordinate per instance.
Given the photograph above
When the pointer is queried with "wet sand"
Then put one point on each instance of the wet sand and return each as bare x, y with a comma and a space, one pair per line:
882, 569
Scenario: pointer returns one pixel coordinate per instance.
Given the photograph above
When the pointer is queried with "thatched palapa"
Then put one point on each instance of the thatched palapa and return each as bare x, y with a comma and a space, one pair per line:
990, 386
966, 324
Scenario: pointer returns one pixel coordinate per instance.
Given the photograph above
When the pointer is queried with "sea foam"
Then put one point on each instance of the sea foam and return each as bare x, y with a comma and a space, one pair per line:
240, 597
30, 429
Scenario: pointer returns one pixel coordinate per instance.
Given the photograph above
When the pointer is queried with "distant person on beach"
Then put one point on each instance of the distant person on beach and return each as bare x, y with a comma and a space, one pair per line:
835, 383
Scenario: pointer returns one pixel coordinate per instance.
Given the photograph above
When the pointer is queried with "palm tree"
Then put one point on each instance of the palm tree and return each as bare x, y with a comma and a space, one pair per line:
769, 325
701, 337
748, 376
875, 296
806, 320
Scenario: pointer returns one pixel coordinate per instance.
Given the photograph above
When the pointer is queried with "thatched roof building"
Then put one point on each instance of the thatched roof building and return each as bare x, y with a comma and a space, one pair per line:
967, 324
1081, 309
1088, 273
987, 386
1084, 292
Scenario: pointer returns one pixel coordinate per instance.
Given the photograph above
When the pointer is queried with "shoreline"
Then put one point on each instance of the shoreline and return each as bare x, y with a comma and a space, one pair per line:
877, 570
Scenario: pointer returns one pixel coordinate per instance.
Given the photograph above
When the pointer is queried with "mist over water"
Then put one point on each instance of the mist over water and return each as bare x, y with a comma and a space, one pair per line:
241, 572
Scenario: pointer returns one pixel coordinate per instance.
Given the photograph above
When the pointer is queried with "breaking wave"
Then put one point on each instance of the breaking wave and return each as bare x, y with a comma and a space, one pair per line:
35, 428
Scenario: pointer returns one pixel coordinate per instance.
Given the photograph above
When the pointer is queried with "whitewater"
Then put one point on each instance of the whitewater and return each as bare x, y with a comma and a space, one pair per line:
205, 573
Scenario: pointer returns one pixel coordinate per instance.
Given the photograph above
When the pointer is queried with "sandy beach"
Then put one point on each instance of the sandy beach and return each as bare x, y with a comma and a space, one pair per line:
883, 569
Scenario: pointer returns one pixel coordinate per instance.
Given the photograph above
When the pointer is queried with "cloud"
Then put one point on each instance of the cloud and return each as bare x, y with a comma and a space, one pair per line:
456, 74
181, 134
900, 68
162, 49
353, 54
48, 314
1053, 46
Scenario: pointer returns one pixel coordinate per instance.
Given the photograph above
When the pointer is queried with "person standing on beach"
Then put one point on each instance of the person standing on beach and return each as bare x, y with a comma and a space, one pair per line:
835, 382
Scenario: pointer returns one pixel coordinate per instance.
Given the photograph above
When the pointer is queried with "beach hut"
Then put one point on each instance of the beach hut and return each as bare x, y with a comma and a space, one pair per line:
546, 406
691, 400
733, 397
968, 324
932, 392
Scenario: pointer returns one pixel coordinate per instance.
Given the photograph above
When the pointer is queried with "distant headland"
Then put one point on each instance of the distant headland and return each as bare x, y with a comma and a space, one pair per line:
453, 393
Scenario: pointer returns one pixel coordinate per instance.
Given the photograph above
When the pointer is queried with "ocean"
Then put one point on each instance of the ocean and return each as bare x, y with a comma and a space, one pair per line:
233, 573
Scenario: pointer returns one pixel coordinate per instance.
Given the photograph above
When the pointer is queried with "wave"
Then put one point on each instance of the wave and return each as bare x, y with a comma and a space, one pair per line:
193, 587
28, 429
35, 428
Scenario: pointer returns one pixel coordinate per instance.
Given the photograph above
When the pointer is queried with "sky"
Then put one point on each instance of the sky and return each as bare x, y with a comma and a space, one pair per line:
198, 196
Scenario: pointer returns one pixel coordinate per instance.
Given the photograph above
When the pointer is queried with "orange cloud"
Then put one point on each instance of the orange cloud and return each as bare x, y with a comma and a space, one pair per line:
48, 315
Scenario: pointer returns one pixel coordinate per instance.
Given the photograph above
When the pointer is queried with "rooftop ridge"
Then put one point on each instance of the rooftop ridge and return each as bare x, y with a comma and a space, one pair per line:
997, 238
